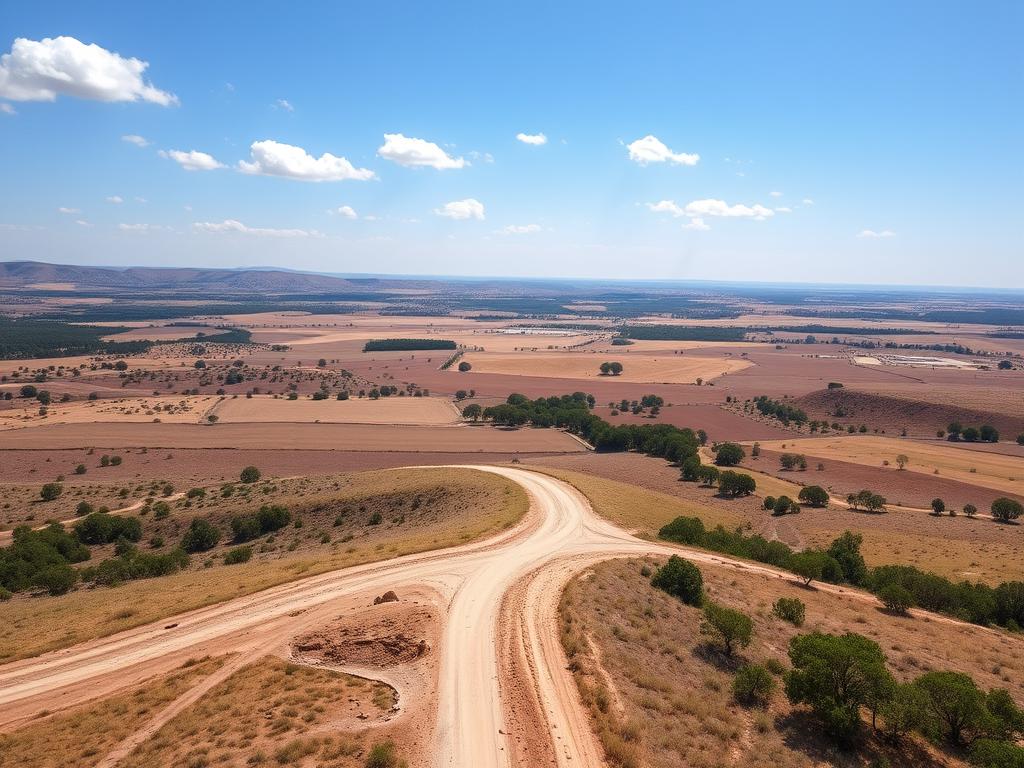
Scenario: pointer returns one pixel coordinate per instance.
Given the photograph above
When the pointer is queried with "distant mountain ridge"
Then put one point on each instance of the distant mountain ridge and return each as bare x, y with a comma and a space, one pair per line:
26, 274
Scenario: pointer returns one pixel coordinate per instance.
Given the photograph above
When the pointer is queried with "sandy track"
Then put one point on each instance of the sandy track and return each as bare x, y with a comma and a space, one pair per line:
518, 575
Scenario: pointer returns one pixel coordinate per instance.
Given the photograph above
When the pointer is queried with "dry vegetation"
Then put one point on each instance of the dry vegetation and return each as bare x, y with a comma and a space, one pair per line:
659, 696
419, 510
83, 735
277, 713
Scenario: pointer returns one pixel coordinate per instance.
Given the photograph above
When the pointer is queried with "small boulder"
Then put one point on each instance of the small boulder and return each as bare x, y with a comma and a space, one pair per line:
387, 597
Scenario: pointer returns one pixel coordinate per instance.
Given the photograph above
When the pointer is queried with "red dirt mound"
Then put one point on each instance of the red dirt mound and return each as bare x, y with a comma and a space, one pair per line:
387, 641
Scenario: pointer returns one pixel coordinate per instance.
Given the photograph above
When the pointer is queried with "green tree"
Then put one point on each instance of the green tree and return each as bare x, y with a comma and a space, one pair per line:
896, 598
902, 460
249, 475
970, 510
1006, 510
51, 491
938, 506
707, 474
808, 565
903, 712
729, 454
790, 609
791, 460
682, 579
465, 366
991, 753
473, 411
814, 495
845, 550
200, 536
954, 705
690, 468
727, 627
753, 684
736, 483
56, 579
836, 675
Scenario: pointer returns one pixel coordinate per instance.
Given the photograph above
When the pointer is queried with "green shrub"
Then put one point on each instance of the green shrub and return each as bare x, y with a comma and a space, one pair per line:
238, 555
200, 536
384, 754
682, 579
896, 598
51, 491
790, 609
753, 684
727, 627
249, 475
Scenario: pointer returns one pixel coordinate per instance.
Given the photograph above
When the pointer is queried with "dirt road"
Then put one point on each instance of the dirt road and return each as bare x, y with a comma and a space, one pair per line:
492, 595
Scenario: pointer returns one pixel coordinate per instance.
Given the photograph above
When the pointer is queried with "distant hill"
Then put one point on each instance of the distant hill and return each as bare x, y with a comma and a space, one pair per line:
31, 274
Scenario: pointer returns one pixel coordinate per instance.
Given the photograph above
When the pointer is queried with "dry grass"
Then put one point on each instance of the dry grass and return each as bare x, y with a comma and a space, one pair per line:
85, 734
388, 410
988, 470
663, 369
276, 713
636, 509
659, 697
455, 506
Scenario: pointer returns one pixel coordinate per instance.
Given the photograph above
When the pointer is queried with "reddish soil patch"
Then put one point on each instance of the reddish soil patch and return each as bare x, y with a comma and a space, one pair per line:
385, 638
905, 489
918, 417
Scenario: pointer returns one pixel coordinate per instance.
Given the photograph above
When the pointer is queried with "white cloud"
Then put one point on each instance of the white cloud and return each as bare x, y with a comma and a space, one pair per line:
141, 200
783, 209
650, 149
519, 229
696, 223
271, 158
808, 201
417, 153
62, 209
870, 234
82, 223
775, 193
115, 199
7, 109
40, 70
192, 160
233, 226
346, 211
536, 139
285, 105
462, 209
138, 141
710, 207
143, 228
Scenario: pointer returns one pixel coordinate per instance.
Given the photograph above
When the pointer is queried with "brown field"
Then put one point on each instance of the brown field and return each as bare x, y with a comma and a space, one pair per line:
997, 472
455, 506
82, 735
659, 696
328, 437
273, 710
166, 333
956, 547
676, 369
415, 411
166, 409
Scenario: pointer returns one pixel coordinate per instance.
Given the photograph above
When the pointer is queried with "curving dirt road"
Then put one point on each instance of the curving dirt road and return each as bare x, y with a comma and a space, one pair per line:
496, 598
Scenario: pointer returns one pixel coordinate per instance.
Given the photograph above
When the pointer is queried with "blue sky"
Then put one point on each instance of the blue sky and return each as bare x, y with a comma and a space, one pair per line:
869, 142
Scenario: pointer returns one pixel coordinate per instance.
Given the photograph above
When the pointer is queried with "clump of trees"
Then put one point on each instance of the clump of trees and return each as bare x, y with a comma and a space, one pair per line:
814, 496
790, 461
104, 528
782, 411
839, 677
407, 345
866, 500
736, 484
1006, 510
680, 578
41, 559
728, 454
986, 433
269, 518
611, 368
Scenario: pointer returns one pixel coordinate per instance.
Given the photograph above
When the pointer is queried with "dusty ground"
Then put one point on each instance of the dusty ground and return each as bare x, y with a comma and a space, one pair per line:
671, 369
415, 411
659, 696
621, 486
998, 472
420, 510
333, 437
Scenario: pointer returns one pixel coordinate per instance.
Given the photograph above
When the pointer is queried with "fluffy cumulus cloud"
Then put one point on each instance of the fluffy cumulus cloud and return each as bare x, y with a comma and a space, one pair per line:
871, 234
40, 70
346, 212
519, 229
461, 210
417, 153
272, 158
236, 227
192, 160
69, 211
133, 138
650, 149
115, 199
285, 105
536, 139
698, 210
